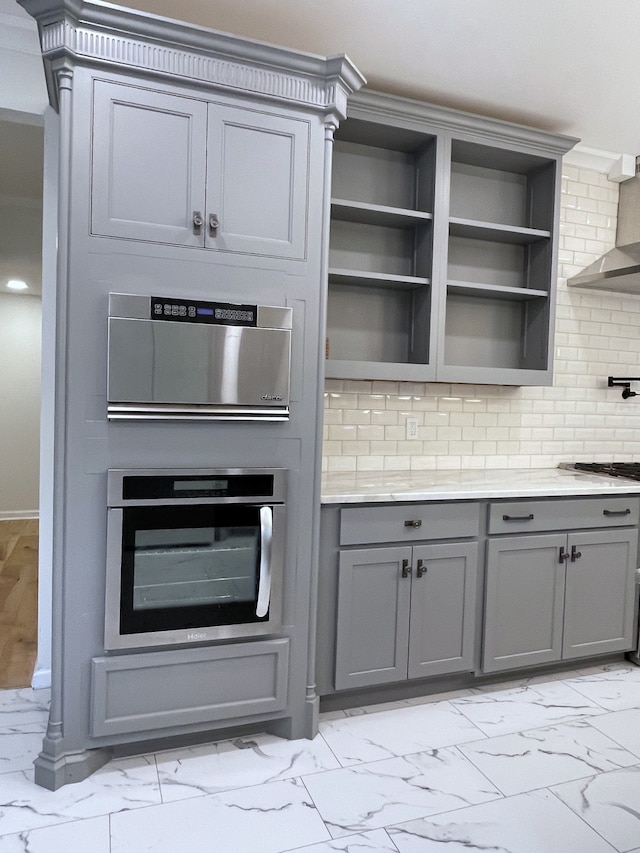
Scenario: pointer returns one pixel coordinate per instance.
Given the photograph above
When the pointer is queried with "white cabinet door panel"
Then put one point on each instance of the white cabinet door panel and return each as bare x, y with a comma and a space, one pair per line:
148, 165
257, 174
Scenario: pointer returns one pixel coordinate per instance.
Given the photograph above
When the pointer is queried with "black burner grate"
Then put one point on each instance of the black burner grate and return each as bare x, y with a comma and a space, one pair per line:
630, 470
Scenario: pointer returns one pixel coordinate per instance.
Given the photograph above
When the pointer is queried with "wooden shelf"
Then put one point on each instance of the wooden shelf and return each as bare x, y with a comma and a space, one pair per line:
373, 279
495, 291
494, 231
377, 214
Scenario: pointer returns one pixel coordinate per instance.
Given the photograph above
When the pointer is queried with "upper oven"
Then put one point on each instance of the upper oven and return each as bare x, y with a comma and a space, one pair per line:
193, 555
186, 359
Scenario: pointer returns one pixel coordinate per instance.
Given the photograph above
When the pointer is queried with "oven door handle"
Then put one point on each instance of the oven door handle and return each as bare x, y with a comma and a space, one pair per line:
264, 579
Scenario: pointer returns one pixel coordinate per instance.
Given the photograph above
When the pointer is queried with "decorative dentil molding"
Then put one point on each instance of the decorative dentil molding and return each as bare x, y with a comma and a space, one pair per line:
96, 33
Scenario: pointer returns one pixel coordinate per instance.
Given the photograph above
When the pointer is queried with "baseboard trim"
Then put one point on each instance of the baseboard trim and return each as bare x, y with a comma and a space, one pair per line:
41, 679
19, 514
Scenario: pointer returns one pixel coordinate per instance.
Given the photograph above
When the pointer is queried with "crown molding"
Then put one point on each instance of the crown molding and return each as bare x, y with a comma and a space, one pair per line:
421, 116
73, 32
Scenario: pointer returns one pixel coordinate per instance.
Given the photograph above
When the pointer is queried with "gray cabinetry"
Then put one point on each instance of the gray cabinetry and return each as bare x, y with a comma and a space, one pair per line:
524, 594
443, 255
560, 595
183, 171
403, 611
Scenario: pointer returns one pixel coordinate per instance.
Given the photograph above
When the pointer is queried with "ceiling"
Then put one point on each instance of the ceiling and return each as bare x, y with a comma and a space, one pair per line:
569, 66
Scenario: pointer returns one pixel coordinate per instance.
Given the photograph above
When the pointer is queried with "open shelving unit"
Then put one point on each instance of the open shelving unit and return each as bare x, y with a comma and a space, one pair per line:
379, 305
443, 246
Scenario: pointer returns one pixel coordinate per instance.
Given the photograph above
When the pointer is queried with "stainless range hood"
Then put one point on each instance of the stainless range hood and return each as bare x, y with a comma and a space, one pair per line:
619, 269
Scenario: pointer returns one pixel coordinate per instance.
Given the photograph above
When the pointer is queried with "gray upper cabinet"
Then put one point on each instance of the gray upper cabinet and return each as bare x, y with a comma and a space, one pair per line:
379, 307
443, 246
185, 172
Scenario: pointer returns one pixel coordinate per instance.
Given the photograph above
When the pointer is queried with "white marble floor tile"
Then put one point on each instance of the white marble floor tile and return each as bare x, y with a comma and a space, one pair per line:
125, 784
616, 689
264, 819
19, 745
239, 763
77, 836
527, 707
621, 726
528, 823
541, 757
405, 730
24, 707
376, 841
370, 796
610, 803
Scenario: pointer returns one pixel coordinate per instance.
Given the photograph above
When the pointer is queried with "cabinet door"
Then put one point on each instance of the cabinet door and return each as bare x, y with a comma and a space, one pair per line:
148, 165
524, 601
373, 617
600, 595
257, 182
443, 609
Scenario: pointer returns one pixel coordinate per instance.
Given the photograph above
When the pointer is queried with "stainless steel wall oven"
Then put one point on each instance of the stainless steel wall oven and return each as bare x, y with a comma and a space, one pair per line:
193, 555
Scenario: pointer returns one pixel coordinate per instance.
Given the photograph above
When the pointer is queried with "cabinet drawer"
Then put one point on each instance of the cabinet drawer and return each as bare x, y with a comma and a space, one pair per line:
408, 522
534, 516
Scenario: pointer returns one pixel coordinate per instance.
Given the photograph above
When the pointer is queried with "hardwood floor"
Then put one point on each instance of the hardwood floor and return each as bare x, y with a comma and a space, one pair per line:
18, 601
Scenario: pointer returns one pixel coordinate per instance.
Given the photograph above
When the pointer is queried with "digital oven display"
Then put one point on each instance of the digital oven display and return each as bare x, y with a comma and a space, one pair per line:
201, 488
195, 311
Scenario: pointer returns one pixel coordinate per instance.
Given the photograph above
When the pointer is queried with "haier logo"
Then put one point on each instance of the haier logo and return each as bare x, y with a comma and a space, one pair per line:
197, 635
277, 397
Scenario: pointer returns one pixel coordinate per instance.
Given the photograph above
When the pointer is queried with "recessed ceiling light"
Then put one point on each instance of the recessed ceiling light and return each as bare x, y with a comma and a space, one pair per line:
16, 284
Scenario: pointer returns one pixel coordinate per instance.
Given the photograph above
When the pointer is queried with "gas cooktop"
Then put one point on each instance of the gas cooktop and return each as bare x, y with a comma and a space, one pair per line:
629, 470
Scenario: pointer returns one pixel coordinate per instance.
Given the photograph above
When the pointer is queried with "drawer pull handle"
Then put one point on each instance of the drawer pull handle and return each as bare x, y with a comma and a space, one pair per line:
518, 517
575, 554
416, 522
421, 569
563, 556
616, 511
406, 569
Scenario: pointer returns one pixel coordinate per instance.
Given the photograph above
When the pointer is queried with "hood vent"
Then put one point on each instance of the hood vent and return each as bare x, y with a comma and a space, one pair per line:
619, 269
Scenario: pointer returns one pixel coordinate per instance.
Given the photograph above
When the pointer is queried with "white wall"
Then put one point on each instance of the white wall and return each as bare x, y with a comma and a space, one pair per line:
20, 336
484, 426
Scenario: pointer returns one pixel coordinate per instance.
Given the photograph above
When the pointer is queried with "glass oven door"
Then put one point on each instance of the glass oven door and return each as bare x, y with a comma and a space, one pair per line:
196, 572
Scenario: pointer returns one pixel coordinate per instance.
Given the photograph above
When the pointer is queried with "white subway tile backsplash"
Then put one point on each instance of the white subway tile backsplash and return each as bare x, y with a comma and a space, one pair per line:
466, 426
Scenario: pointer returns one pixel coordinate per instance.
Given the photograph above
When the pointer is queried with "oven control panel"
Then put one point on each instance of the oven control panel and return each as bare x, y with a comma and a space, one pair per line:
196, 311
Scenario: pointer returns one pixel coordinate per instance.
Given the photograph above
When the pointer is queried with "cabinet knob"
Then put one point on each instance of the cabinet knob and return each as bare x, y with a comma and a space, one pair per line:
563, 557
406, 569
214, 224
198, 221
575, 554
413, 522
421, 569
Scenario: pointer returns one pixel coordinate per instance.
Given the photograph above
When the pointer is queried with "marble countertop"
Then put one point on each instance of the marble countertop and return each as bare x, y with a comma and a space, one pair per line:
387, 486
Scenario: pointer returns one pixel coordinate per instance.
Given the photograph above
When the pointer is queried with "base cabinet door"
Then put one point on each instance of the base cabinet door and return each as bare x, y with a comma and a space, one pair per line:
525, 583
600, 593
443, 609
374, 587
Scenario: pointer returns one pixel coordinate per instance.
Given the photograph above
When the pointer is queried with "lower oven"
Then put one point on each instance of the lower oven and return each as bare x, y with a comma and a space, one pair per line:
193, 555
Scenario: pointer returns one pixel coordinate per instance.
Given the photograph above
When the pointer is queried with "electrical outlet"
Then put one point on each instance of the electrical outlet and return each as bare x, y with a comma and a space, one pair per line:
411, 428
